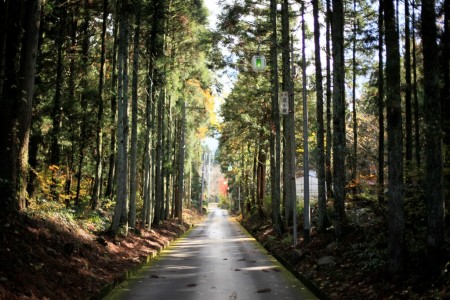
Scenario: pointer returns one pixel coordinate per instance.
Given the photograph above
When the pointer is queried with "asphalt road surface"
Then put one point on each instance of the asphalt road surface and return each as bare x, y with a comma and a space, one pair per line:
218, 260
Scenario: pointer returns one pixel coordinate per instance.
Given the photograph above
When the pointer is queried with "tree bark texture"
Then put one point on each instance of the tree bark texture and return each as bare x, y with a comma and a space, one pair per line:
288, 120
433, 137
113, 118
339, 140
27, 75
381, 105
396, 221
99, 125
417, 147
120, 217
134, 117
275, 140
328, 147
10, 94
407, 89
322, 197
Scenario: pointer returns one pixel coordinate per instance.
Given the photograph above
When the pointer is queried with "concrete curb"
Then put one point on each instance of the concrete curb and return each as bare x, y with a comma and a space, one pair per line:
311, 285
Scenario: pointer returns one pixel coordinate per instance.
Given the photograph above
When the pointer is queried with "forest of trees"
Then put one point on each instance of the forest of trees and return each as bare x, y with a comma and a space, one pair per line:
103, 104
376, 88
92, 104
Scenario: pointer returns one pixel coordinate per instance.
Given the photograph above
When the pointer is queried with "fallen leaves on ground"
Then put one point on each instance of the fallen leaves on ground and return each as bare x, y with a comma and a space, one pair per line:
46, 259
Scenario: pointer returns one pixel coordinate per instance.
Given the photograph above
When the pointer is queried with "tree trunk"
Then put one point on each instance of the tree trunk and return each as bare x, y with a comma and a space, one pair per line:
415, 91
134, 118
4, 6
120, 218
180, 184
275, 140
355, 121
71, 98
289, 120
408, 106
261, 180
396, 222
8, 108
147, 209
255, 177
174, 210
322, 197
163, 158
35, 140
27, 74
84, 101
328, 153
380, 105
57, 113
306, 206
337, 27
157, 53
125, 104
243, 184
159, 179
99, 127
169, 158
445, 66
433, 139
113, 120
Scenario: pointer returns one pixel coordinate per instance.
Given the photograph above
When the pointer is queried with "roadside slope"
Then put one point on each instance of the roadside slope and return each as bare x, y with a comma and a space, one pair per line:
54, 258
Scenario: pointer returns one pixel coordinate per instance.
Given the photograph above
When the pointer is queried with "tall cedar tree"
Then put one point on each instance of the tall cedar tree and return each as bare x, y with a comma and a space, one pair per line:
380, 100
9, 97
275, 139
396, 221
306, 202
120, 212
157, 54
82, 142
445, 66
417, 144
328, 171
27, 73
354, 160
433, 138
322, 197
19, 46
407, 89
337, 30
134, 116
288, 121
113, 116
99, 125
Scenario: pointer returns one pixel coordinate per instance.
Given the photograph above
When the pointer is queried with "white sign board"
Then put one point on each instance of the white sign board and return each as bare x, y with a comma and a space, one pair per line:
284, 103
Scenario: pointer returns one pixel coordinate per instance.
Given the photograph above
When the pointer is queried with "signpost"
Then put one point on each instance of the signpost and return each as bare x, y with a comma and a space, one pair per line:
284, 105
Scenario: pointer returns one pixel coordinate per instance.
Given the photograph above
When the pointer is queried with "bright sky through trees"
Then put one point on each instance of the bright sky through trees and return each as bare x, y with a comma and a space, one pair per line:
214, 10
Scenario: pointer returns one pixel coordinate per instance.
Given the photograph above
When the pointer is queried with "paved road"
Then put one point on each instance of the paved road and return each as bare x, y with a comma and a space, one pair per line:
218, 260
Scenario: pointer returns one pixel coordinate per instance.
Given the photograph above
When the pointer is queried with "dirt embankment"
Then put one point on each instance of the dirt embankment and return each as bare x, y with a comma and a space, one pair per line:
52, 258
354, 268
